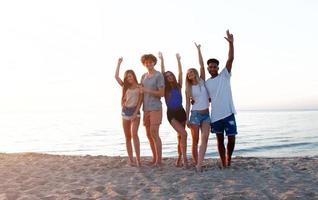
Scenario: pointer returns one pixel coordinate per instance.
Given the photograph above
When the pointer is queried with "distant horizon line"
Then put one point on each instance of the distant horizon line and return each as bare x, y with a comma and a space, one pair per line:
279, 109
107, 109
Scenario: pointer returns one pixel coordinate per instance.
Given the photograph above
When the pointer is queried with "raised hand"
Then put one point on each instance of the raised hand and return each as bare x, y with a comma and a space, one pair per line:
202, 70
178, 56
160, 55
120, 60
229, 37
120, 82
197, 45
162, 62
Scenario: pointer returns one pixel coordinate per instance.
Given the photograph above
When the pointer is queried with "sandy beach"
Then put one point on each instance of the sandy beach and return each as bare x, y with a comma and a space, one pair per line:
42, 176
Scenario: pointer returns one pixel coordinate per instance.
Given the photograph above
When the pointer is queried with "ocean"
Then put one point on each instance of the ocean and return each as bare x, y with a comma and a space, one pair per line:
260, 133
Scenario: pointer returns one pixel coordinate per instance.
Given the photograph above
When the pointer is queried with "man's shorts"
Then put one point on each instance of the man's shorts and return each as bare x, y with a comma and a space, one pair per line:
152, 117
228, 124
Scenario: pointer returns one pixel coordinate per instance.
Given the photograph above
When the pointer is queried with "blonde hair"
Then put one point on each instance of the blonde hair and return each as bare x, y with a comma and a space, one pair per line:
189, 84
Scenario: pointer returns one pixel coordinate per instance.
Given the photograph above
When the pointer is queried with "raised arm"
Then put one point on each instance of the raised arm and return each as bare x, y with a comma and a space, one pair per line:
120, 82
229, 37
162, 64
202, 71
179, 69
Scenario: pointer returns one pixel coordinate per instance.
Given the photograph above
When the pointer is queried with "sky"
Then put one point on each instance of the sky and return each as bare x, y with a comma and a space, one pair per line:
61, 55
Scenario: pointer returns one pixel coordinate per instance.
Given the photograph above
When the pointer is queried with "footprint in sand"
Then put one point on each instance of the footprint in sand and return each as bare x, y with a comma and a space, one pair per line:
100, 189
78, 191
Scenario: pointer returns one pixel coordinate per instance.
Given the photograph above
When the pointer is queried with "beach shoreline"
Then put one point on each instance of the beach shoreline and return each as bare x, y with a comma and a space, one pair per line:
46, 176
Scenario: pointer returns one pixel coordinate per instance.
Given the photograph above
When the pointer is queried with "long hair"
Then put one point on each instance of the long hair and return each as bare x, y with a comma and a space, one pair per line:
126, 84
189, 82
169, 86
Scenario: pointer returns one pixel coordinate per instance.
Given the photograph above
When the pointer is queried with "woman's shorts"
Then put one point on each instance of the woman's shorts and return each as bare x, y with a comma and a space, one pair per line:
127, 112
197, 118
177, 114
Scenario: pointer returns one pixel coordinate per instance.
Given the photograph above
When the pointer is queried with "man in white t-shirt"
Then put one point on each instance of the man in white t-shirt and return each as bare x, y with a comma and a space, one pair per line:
222, 107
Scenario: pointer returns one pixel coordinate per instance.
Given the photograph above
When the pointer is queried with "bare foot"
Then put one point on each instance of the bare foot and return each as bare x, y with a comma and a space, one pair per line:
185, 165
138, 163
151, 162
198, 168
228, 161
159, 165
220, 165
178, 162
131, 163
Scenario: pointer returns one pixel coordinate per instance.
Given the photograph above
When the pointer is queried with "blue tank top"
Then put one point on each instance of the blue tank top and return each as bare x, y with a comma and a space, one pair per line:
174, 100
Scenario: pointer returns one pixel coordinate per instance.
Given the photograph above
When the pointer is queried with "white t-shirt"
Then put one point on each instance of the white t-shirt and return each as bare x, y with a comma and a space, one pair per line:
200, 97
219, 89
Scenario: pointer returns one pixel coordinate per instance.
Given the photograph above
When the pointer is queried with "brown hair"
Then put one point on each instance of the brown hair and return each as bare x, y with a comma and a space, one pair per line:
126, 85
170, 86
150, 57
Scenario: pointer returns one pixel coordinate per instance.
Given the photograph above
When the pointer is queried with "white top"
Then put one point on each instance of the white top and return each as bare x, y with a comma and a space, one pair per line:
200, 97
219, 89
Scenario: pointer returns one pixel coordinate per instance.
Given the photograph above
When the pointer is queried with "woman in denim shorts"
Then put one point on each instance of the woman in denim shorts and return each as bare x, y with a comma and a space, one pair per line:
199, 119
131, 102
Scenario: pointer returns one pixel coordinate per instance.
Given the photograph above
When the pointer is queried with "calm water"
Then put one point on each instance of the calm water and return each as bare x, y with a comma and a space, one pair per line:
261, 133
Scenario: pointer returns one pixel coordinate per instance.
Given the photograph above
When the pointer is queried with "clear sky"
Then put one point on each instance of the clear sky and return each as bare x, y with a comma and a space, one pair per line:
61, 55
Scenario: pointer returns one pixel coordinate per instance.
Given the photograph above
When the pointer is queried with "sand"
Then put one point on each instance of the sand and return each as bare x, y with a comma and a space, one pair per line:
42, 176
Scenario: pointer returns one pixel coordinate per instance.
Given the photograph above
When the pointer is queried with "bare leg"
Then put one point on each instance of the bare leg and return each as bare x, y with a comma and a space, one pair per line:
221, 147
195, 140
152, 145
127, 131
230, 149
205, 132
178, 162
134, 131
154, 130
180, 128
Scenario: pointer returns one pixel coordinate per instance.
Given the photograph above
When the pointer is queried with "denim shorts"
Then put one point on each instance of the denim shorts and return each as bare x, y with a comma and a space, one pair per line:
197, 118
227, 124
127, 112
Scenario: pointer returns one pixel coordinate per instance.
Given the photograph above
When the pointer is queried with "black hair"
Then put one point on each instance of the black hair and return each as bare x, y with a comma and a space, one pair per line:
213, 60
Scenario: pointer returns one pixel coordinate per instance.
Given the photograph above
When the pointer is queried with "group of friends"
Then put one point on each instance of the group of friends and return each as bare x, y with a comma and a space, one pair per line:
200, 94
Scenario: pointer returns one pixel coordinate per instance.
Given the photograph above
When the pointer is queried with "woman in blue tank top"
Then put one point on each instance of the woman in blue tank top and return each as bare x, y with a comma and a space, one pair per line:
175, 112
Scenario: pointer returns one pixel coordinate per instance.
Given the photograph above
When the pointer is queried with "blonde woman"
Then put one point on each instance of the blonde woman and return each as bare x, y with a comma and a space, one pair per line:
198, 99
131, 102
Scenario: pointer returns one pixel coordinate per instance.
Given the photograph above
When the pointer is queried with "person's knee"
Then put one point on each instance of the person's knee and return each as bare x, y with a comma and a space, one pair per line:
231, 139
183, 137
135, 135
154, 130
149, 136
128, 137
204, 140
